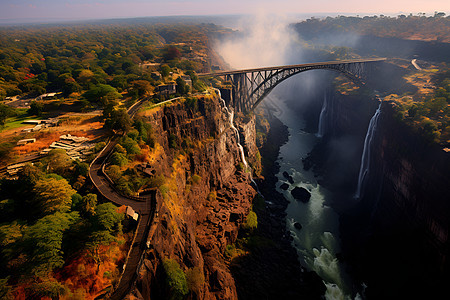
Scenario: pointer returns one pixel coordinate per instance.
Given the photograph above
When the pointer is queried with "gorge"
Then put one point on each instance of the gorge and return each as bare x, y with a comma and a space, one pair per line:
355, 211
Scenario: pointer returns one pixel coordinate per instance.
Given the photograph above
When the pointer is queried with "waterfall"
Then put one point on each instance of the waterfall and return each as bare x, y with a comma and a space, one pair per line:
238, 138
323, 112
365, 158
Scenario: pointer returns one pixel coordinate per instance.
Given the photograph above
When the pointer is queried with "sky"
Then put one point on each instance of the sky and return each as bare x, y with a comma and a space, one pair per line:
101, 9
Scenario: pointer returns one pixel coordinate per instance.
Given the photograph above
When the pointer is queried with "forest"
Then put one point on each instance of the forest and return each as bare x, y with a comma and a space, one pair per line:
57, 238
72, 58
410, 27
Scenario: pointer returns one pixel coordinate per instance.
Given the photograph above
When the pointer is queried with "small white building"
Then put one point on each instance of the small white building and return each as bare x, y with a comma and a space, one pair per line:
25, 141
32, 122
130, 211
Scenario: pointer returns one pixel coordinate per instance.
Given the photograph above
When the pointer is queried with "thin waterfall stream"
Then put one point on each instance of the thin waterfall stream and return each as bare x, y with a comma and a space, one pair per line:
365, 158
323, 112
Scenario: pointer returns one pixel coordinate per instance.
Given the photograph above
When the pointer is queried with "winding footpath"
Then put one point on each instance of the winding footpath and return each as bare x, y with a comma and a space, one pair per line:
144, 206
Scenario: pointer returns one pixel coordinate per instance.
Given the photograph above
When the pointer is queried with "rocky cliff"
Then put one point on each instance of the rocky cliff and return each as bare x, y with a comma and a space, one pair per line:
406, 203
395, 237
206, 197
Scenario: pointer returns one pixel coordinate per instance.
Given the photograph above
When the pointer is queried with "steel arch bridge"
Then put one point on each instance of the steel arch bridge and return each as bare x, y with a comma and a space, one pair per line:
250, 86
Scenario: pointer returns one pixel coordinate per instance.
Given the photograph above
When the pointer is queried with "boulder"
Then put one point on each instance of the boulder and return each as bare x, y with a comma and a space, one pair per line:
301, 194
284, 186
298, 226
288, 177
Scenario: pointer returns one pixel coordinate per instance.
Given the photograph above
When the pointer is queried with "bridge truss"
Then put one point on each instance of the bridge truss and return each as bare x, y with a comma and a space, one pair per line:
251, 86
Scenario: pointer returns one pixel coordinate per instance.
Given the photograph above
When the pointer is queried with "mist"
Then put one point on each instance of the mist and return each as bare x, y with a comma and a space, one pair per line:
263, 40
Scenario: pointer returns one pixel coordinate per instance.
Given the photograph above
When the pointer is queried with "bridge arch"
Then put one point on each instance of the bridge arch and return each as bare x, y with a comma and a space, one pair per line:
251, 86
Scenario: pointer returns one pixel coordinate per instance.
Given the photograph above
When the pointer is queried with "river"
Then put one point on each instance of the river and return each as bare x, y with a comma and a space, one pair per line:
317, 242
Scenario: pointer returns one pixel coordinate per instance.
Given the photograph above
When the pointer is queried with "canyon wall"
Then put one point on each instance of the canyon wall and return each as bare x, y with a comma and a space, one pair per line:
395, 237
407, 195
206, 197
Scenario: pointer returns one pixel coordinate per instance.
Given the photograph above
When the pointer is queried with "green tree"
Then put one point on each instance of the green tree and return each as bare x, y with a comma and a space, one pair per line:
10, 233
43, 242
36, 108
53, 195
142, 87
102, 93
182, 87
165, 70
118, 159
119, 120
97, 239
114, 172
88, 204
107, 218
130, 145
81, 168
57, 161
6, 112
76, 201
195, 279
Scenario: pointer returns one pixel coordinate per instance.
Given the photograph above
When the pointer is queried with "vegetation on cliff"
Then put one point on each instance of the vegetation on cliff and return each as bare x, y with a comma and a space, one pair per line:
428, 110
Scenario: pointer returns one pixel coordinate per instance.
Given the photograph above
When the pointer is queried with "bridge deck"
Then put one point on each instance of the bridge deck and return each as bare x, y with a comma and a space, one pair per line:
317, 64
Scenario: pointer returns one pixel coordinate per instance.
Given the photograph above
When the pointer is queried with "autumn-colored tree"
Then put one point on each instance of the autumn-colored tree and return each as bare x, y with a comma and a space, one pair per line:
53, 195
57, 161
142, 87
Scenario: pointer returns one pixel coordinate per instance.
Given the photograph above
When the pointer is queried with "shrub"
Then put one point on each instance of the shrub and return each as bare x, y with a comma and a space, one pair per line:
230, 251
252, 221
130, 145
118, 159
157, 181
114, 172
195, 179
195, 279
176, 279
173, 143
212, 196
192, 103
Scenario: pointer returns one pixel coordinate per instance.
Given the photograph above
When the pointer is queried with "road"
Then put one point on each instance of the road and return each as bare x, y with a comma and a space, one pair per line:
144, 206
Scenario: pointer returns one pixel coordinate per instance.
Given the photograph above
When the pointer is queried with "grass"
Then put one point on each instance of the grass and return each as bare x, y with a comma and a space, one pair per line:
16, 122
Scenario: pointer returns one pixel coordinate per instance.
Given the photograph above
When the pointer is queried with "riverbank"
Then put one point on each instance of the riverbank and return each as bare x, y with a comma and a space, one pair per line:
272, 260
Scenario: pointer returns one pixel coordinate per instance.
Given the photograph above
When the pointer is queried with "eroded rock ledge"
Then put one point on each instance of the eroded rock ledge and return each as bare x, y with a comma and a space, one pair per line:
206, 198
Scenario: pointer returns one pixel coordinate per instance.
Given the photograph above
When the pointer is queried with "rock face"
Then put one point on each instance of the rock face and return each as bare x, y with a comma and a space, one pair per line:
407, 196
301, 194
404, 203
206, 198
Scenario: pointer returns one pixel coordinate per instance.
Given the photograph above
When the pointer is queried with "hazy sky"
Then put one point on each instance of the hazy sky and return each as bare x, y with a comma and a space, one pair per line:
93, 9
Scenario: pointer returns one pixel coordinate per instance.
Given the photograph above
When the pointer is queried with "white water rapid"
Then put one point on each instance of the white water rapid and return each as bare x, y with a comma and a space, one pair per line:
323, 112
317, 242
365, 158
